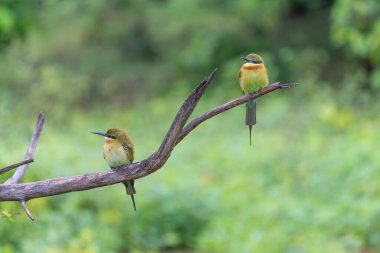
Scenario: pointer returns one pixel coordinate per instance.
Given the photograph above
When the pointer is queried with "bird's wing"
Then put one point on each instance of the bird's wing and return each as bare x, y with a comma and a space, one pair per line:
239, 79
130, 151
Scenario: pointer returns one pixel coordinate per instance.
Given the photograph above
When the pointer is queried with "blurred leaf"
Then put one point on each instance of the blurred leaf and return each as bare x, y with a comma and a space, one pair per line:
7, 215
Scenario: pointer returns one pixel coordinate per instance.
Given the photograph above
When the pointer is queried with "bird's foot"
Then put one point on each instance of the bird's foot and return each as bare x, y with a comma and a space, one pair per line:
117, 167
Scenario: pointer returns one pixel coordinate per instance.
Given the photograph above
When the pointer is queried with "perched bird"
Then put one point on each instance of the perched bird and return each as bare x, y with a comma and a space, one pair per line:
118, 150
252, 77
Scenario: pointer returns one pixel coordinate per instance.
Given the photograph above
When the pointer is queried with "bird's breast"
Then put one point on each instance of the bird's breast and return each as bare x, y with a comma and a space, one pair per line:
253, 77
115, 154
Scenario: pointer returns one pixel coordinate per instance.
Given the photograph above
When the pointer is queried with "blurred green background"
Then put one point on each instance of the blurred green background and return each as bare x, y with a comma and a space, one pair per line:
310, 181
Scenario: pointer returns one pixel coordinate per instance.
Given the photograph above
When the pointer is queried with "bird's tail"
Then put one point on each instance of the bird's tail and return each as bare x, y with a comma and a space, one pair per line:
250, 117
129, 186
133, 202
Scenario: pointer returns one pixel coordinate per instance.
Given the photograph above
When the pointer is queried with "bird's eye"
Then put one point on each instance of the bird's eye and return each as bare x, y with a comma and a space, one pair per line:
111, 136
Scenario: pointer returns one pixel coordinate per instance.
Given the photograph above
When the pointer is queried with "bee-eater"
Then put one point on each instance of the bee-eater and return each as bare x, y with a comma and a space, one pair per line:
118, 150
252, 77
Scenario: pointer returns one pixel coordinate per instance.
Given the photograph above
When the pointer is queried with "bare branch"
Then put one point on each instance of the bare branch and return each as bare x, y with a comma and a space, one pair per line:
176, 132
19, 173
183, 115
23, 204
13, 166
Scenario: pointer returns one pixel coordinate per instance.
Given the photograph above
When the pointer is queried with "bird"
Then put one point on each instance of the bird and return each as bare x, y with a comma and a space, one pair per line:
118, 150
252, 77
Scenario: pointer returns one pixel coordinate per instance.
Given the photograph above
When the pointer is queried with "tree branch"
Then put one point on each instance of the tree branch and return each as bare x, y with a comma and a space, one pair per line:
19, 173
176, 132
179, 121
23, 204
13, 166
184, 113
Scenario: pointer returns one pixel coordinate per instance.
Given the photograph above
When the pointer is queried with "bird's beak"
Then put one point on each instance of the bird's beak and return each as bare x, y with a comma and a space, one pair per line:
103, 134
100, 133
245, 58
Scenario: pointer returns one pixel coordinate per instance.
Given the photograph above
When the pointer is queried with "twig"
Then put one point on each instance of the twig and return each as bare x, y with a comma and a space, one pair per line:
13, 166
19, 173
23, 204
176, 132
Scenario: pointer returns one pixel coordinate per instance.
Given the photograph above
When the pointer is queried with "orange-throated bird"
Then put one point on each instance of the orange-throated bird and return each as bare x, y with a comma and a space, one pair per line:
118, 150
252, 77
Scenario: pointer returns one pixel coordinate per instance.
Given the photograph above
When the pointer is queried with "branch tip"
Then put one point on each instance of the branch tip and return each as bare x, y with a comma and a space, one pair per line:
287, 85
209, 78
16, 165
40, 117
23, 204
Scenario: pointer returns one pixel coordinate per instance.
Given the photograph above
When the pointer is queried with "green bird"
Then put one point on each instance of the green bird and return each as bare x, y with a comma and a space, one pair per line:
252, 77
118, 150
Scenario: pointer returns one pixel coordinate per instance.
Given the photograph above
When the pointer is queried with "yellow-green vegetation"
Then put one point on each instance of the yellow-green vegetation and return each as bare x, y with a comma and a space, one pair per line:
309, 183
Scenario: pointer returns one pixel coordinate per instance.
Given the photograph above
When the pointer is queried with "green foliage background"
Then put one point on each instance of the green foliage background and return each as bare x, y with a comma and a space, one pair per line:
310, 181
